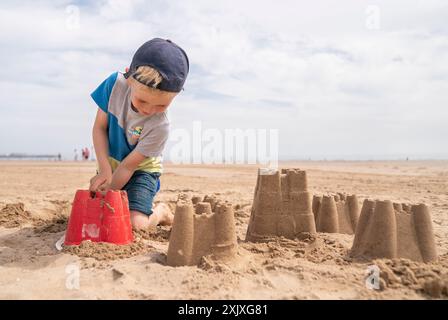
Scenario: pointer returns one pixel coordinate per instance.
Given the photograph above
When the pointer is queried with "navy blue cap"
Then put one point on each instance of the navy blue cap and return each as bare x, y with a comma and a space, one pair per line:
167, 58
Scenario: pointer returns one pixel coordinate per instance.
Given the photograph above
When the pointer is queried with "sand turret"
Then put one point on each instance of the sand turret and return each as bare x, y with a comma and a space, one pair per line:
336, 213
282, 205
386, 230
199, 231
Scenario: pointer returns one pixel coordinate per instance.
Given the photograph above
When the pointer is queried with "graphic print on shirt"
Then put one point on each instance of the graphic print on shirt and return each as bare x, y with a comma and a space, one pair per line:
135, 133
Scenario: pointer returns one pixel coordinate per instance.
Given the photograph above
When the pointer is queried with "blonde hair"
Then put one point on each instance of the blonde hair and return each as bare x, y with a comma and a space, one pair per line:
148, 77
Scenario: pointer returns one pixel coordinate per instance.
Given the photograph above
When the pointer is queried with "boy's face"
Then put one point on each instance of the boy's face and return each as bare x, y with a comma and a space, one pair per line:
147, 101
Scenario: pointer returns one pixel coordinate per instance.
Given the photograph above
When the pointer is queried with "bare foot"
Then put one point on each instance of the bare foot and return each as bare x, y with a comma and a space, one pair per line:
161, 214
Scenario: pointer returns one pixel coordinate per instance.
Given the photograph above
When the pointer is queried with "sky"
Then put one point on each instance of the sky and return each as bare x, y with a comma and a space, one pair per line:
360, 80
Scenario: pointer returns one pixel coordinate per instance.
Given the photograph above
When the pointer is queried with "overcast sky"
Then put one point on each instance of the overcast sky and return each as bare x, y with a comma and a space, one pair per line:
366, 79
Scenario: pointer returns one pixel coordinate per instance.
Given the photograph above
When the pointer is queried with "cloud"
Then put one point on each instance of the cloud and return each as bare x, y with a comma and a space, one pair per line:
316, 72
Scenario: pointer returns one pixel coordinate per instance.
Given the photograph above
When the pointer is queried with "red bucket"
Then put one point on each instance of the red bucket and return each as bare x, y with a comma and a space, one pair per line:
99, 218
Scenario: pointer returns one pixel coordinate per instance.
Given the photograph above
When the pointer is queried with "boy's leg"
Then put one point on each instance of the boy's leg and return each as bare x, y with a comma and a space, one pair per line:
141, 189
161, 214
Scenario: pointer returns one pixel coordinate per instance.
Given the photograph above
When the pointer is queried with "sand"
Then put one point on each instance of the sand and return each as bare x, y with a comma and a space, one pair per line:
107, 251
430, 279
14, 215
313, 266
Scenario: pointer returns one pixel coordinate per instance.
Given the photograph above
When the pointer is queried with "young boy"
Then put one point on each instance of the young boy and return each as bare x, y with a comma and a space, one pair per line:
131, 128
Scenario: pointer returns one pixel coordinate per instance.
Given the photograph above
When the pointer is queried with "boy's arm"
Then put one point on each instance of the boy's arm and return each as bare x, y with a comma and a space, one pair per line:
125, 170
101, 144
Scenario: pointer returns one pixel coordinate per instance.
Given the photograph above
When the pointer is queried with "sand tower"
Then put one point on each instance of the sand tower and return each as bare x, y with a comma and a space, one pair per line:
281, 205
336, 213
386, 230
199, 231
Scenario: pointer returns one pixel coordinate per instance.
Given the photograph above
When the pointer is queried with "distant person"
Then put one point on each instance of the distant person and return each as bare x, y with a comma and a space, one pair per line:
59, 157
131, 128
76, 155
85, 154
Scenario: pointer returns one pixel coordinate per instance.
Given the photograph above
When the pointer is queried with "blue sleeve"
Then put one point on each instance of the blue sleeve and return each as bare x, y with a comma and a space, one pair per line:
101, 94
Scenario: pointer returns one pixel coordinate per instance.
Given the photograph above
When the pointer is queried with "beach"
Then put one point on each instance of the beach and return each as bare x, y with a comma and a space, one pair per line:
36, 198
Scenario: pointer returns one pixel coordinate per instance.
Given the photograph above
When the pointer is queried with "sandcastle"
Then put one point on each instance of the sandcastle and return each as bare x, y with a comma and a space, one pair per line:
201, 228
281, 206
336, 213
393, 230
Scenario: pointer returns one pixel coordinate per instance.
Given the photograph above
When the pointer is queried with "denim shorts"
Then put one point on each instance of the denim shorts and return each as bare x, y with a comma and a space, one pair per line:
141, 189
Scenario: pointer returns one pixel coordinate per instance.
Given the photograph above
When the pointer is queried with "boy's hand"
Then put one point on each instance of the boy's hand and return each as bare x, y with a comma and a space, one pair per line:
101, 182
104, 188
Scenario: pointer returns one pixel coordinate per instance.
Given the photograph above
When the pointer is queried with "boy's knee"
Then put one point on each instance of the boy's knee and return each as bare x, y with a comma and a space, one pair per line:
139, 220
